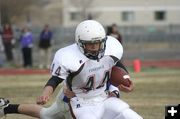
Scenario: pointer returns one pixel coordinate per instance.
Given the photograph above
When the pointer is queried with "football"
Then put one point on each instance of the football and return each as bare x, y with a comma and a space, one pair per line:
119, 76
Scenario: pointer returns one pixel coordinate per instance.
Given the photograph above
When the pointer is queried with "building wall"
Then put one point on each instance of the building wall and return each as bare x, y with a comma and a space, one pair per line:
110, 11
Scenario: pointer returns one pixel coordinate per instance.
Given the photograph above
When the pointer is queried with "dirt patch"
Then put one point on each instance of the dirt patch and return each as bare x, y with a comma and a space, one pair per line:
9, 71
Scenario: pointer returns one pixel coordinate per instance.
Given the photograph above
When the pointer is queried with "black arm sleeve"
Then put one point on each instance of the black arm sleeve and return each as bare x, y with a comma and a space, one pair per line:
54, 81
119, 64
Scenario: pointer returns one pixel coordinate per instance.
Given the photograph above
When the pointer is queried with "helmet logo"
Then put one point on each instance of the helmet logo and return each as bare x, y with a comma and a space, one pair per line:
96, 38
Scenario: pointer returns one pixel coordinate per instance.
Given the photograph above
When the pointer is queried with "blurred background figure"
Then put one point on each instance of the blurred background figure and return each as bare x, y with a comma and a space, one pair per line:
113, 31
109, 30
45, 47
1, 44
7, 38
1, 50
26, 42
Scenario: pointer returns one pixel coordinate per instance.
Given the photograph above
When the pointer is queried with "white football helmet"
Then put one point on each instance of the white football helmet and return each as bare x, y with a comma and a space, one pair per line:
90, 31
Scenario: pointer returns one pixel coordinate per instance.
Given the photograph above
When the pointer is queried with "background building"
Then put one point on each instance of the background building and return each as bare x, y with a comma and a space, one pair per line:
68, 13
123, 12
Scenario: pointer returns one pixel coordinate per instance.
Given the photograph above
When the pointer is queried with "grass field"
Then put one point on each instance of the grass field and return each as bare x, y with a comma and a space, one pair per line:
154, 88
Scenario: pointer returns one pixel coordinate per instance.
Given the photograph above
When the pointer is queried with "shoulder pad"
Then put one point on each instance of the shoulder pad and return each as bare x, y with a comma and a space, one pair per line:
70, 57
113, 47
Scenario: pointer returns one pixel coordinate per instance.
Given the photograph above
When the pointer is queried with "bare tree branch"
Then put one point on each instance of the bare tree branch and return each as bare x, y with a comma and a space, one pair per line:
11, 8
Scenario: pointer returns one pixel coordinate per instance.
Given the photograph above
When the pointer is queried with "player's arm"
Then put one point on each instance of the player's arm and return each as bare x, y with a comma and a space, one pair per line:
121, 65
48, 90
118, 63
59, 72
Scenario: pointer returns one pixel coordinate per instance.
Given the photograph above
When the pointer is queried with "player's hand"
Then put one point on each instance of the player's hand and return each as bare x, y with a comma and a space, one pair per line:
41, 100
126, 88
68, 93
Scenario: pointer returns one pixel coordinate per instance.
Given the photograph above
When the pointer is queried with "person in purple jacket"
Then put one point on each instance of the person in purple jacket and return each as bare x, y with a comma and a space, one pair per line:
26, 41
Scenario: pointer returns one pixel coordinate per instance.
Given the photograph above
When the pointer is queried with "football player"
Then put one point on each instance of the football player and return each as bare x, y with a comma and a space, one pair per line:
85, 68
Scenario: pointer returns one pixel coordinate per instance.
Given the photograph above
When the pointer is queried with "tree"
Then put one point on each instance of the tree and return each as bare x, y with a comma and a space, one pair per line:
11, 8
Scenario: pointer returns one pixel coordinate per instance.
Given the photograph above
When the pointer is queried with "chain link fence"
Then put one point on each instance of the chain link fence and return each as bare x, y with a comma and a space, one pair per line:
147, 42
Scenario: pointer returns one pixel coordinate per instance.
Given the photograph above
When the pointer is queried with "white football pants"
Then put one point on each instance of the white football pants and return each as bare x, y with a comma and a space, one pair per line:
102, 107
58, 110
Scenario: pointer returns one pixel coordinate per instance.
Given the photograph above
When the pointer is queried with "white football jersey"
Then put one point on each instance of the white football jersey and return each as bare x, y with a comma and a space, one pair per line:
86, 77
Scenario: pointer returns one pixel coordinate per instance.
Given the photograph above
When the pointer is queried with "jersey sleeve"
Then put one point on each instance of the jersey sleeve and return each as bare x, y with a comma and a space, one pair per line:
57, 67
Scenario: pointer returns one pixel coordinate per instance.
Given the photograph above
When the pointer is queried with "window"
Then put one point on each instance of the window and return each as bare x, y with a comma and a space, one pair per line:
75, 16
160, 15
128, 16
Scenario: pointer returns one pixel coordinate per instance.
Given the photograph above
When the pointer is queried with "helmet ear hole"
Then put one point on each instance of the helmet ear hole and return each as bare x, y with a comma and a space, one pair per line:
90, 31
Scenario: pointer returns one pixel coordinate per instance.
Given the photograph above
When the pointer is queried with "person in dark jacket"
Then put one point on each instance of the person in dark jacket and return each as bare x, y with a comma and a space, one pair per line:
45, 47
115, 33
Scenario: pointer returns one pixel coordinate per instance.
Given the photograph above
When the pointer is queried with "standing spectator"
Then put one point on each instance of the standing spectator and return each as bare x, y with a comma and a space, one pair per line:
26, 41
109, 30
1, 44
115, 33
45, 47
1, 50
7, 38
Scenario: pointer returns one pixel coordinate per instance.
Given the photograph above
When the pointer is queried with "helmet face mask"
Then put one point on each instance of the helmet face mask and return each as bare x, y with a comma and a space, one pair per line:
91, 38
96, 52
